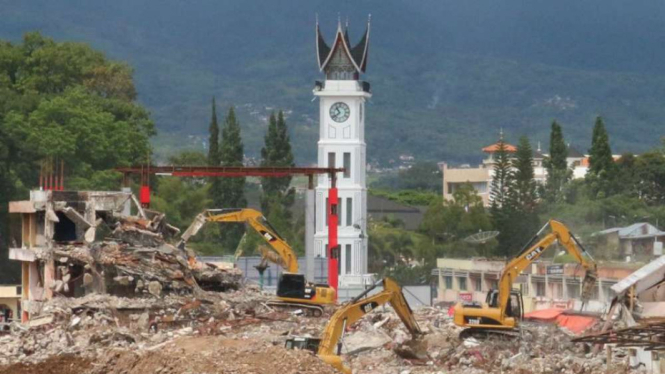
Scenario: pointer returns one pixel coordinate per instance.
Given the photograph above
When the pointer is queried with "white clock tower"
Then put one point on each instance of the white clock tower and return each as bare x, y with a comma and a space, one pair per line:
342, 97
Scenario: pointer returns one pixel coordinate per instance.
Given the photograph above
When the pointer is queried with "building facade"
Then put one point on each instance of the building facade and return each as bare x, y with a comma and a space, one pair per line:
480, 177
543, 285
49, 219
342, 98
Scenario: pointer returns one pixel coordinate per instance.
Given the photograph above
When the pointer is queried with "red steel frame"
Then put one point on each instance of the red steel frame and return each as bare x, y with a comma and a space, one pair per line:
242, 171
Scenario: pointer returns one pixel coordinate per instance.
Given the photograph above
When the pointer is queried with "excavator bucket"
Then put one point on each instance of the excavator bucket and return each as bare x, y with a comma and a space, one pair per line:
589, 285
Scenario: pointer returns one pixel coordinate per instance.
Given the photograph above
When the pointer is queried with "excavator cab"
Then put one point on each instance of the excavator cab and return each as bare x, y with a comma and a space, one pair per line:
294, 286
515, 307
310, 344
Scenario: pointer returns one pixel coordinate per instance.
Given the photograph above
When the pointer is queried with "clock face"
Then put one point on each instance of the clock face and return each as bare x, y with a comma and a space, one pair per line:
339, 112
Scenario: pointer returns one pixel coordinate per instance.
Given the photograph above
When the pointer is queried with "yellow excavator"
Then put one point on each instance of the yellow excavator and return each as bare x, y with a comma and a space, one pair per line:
293, 290
328, 348
503, 308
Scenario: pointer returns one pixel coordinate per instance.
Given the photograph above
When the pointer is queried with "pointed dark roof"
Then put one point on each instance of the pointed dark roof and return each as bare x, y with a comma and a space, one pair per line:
357, 54
574, 153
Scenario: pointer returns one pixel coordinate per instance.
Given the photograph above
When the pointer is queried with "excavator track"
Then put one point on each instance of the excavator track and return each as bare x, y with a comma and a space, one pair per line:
309, 309
485, 334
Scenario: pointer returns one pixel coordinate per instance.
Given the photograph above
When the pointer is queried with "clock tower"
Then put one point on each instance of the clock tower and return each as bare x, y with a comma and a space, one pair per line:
342, 98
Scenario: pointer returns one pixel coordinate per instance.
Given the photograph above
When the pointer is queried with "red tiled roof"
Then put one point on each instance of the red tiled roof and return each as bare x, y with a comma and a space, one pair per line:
495, 147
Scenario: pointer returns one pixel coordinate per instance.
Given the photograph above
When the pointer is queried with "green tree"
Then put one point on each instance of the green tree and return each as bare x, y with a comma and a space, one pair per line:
64, 102
232, 190
502, 178
600, 154
558, 173
524, 189
602, 169
450, 222
277, 152
213, 139
502, 207
650, 172
523, 201
214, 158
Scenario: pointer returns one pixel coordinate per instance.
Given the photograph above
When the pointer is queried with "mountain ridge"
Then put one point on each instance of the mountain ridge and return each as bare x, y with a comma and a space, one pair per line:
446, 76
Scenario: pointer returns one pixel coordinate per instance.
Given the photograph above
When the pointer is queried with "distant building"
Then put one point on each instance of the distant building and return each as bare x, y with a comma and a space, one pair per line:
639, 240
379, 208
480, 177
543, 285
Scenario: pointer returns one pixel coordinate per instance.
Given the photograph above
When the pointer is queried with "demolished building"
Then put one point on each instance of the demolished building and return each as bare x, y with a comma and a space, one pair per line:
636, 318
73, 243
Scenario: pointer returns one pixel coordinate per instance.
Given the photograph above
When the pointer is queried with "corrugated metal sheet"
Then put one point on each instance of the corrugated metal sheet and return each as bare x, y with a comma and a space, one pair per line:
643, 278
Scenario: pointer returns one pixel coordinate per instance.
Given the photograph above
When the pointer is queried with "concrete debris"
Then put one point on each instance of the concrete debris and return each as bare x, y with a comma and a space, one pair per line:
130, 302
234, 332
137, 260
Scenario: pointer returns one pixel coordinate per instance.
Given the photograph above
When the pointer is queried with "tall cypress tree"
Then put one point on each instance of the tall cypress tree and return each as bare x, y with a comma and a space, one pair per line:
214, 157
502, 178
232, 190
600, 154
524, 191
523, 199
556, 165
213, 141
501, 208
602, 174
277, 152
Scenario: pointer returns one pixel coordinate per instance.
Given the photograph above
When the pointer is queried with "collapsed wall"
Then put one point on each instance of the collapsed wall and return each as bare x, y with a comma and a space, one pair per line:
76, 243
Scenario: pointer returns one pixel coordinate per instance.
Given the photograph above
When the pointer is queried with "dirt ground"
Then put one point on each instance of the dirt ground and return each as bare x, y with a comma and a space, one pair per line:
66, 364
212, 354
202, 354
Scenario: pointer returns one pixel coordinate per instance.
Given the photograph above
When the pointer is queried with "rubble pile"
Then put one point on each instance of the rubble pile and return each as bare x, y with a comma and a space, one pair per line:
381, 344
136, 260
89, 326
236, 332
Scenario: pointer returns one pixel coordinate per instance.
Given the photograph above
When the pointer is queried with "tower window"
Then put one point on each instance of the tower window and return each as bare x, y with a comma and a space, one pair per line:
347, 165
331, 159
349, 211
347, 259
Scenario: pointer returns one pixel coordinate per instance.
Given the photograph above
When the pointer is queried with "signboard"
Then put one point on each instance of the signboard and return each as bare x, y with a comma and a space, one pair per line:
465, 297
555, 269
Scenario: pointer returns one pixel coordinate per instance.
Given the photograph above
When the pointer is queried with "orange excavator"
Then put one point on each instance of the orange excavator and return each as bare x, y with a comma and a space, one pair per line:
293, 290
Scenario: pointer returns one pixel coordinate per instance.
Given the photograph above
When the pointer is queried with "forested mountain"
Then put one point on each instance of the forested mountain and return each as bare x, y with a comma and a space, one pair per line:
446, 75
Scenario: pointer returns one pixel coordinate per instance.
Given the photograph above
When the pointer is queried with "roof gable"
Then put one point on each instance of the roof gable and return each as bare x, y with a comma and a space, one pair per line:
357, 54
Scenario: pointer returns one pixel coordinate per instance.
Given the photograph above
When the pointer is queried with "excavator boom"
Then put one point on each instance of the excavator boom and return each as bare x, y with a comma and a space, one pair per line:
253, 218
